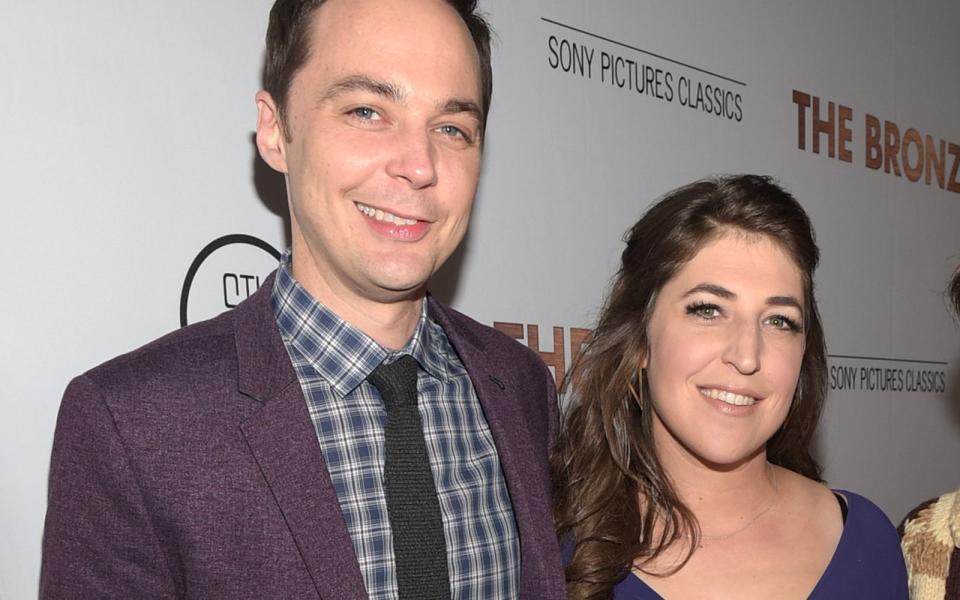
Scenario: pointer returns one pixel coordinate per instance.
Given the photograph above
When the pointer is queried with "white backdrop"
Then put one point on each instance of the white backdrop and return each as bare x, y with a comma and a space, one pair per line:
128, 150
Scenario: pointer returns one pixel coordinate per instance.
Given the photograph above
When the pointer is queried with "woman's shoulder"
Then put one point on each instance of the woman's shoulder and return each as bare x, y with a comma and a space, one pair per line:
868, 527
858, 511
868, 557
810, 501
863, 513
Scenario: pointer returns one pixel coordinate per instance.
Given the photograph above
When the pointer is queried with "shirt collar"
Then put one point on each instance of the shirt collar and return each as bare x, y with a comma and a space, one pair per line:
342, 354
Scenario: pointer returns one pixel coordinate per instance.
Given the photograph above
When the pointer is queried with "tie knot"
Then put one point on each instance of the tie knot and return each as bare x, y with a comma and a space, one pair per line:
396, 382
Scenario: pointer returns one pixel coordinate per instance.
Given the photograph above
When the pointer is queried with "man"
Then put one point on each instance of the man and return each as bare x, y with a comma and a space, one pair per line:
256, 455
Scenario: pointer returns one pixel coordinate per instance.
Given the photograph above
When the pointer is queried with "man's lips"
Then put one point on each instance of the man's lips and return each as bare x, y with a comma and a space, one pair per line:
389, 217
402, 228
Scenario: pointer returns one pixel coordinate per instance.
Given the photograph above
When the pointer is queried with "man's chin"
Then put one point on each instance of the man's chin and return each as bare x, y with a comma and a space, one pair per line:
388, 290
401, 280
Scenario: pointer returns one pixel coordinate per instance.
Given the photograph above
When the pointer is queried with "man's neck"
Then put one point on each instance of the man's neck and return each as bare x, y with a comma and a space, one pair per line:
391, 324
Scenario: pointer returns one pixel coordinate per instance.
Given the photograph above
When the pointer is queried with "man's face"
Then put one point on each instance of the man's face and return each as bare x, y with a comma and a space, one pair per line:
383, 154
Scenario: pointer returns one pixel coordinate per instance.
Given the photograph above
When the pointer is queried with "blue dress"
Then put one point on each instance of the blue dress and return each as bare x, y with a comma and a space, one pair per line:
866, 564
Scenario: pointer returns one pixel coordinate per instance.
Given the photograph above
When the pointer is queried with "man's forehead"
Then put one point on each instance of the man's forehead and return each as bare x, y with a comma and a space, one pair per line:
398, 46
411, 19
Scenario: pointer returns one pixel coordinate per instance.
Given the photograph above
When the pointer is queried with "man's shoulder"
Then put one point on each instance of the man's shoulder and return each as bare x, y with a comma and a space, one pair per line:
199, 351
493, 343
161, 394
173, 356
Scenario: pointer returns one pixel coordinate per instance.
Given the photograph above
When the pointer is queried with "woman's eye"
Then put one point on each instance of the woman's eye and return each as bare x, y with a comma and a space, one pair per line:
783, 323
704, 311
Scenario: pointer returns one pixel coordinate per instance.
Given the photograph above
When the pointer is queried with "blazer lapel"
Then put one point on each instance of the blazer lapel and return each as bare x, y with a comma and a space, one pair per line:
282, 439
517, 454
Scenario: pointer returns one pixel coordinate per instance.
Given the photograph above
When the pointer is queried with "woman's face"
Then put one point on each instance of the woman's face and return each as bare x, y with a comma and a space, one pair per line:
726, 342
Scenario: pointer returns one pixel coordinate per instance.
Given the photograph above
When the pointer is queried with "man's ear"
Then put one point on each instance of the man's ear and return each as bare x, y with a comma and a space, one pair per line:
270, 135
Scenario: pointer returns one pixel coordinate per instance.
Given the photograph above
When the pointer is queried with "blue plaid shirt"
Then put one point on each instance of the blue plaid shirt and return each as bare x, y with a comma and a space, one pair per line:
332, 360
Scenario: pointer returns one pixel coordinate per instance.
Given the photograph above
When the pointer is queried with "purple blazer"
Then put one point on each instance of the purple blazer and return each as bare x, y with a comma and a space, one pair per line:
190, 468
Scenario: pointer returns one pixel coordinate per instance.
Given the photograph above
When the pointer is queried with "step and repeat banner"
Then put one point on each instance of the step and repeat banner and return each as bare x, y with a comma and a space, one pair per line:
134, 201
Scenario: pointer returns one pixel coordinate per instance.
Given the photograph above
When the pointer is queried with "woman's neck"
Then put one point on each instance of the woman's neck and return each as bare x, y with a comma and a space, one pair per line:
724, 498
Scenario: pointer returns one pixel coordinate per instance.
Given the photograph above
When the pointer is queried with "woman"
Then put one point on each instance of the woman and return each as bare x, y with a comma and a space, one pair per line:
683, 467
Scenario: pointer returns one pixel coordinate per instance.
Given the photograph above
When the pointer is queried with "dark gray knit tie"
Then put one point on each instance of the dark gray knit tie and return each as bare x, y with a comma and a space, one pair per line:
419, 547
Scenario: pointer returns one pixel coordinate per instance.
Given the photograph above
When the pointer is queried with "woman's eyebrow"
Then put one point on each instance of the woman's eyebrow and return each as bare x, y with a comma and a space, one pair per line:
722, 292
711, 288
785, 301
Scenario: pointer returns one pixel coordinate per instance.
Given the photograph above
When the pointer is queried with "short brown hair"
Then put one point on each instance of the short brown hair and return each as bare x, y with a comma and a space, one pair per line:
288, 45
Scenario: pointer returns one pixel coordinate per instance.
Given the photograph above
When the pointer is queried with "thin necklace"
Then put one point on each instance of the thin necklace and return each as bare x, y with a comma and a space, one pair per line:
766, 509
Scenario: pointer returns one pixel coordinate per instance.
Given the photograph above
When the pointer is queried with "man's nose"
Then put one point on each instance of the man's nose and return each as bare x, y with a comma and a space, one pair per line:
414, 158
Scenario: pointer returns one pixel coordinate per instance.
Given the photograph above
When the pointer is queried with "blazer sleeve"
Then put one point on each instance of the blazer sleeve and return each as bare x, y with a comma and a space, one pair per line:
553, 411
98, 541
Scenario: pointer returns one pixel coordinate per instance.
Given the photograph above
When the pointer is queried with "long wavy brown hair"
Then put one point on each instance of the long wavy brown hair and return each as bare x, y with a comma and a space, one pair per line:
614, 505
954, 291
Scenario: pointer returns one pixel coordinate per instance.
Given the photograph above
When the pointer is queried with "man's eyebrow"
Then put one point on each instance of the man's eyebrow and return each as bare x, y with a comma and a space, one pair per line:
363, 83
461, 106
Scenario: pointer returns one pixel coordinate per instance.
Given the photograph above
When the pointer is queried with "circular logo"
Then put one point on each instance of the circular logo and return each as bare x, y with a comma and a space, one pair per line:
224, 273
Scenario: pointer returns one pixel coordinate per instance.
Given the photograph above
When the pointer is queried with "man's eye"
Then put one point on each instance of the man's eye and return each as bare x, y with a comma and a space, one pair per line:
454, 132
364, 112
